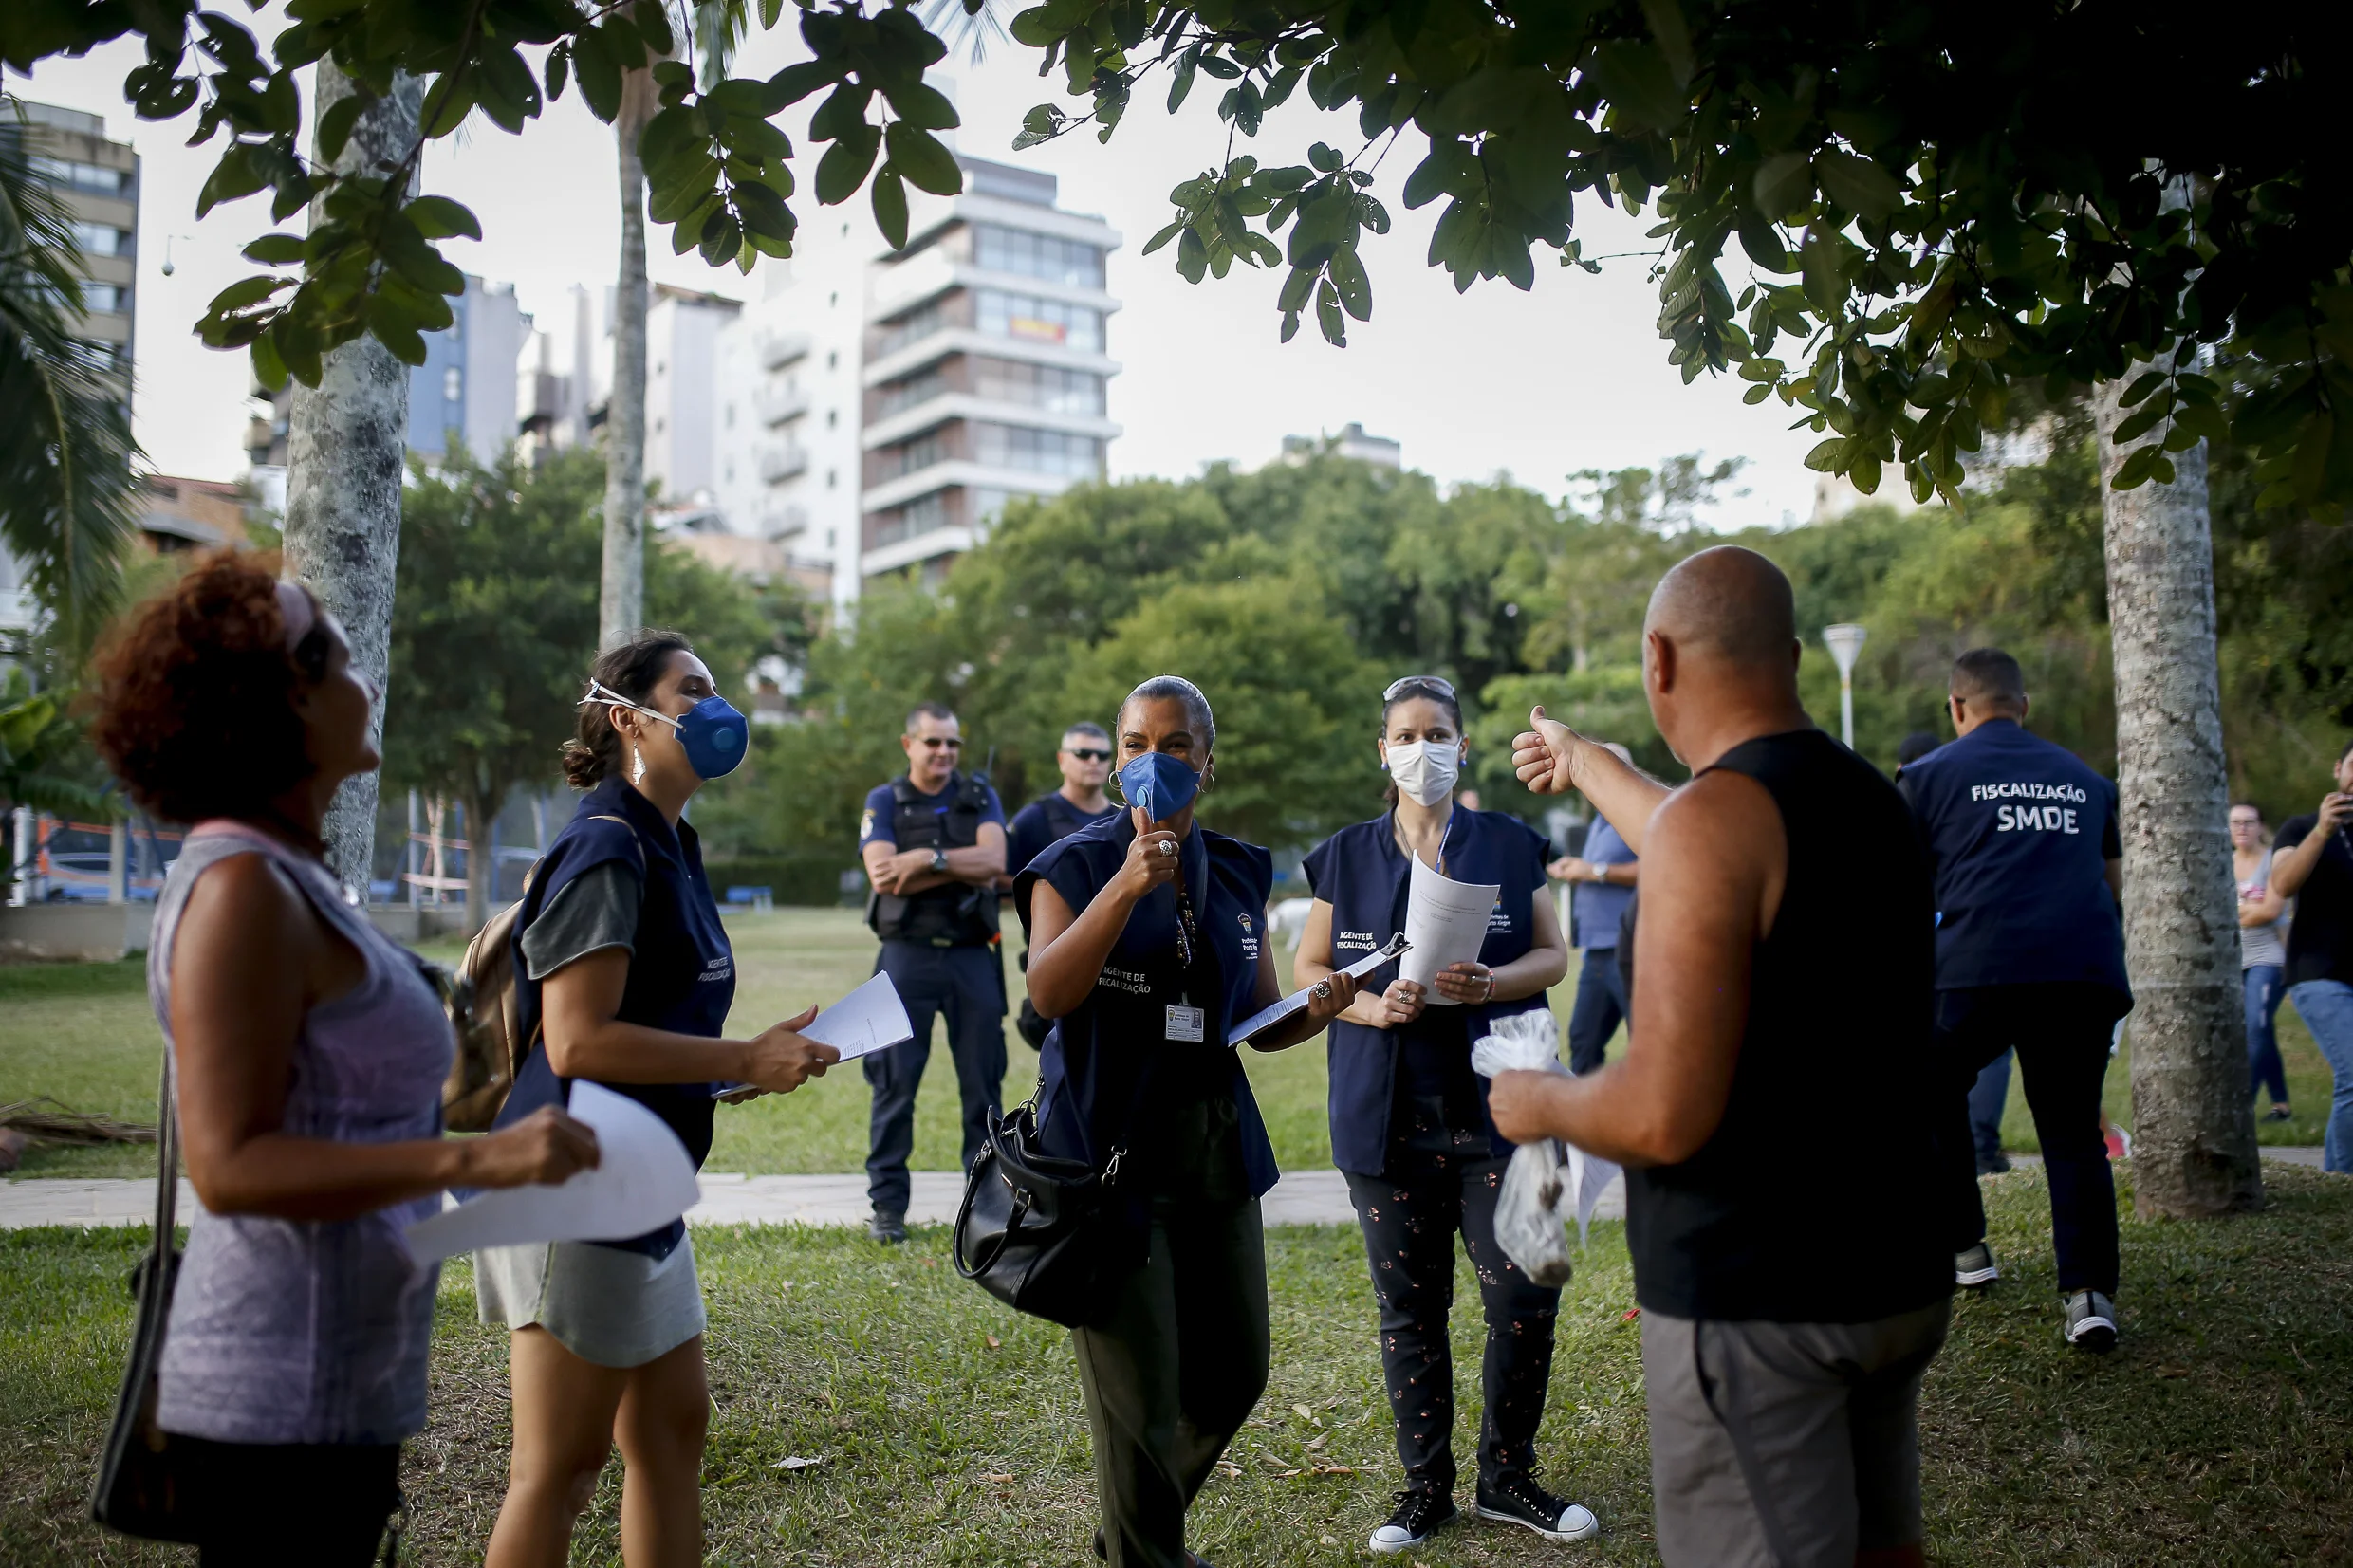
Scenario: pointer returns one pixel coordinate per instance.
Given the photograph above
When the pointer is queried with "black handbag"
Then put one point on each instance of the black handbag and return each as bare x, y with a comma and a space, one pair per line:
139, 1490
1035, 1230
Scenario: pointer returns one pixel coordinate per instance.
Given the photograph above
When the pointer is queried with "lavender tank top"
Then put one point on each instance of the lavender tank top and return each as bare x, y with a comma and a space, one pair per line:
291, 1331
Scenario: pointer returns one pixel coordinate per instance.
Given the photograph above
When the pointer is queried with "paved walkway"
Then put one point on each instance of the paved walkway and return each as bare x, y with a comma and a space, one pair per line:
1304, 1197
1307, 1197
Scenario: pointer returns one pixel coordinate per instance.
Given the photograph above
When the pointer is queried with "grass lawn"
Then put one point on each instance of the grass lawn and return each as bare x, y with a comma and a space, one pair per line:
950, 1432
83, 1033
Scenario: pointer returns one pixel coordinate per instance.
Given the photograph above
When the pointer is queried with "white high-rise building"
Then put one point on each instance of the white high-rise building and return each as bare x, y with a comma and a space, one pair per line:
879, 408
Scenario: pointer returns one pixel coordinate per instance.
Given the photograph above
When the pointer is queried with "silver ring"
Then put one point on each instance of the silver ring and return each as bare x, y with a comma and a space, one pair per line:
1169, 844
1323, 988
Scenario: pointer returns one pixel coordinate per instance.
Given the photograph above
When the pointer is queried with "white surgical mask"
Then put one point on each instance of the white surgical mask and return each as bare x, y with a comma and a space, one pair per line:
1425, 771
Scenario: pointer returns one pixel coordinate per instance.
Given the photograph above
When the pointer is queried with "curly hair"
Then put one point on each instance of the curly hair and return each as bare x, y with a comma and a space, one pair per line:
195, 703
633, 669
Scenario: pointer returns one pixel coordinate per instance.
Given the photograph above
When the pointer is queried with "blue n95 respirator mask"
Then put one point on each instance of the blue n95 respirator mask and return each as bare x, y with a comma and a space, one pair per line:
1159, 784
713, 734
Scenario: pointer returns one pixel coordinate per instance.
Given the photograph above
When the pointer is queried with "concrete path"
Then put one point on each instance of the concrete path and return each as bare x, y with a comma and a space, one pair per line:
1303, 1197
1306, 1198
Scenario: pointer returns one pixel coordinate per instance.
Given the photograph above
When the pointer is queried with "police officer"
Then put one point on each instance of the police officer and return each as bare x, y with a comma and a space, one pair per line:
2030, 955
1085, 762
934, 843
1603, 875
1409, 1120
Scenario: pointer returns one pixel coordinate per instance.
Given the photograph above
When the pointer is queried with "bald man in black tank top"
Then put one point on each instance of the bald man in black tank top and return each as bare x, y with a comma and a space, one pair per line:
1787, 1315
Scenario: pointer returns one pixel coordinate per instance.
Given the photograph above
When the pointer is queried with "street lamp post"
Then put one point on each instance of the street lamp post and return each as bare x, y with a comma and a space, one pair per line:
1846, 644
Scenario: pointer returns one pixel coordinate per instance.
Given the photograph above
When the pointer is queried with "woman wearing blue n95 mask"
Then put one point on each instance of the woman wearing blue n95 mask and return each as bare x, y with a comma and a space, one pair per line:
624, 976
1147, 942
1410, 1128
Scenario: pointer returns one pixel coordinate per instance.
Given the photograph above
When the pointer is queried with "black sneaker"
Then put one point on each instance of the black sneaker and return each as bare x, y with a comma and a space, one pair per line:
1517, 1500
2279, 1113
887, 1228
2092, 1322
1972, 1267
1995, 1164
1419, 1515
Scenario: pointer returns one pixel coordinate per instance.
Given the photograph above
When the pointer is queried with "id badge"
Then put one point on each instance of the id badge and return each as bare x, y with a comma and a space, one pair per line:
1186, 1024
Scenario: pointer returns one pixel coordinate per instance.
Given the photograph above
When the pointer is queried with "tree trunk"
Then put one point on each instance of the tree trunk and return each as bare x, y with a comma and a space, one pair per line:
479, 866
345, 442
2194, 1129
621, 605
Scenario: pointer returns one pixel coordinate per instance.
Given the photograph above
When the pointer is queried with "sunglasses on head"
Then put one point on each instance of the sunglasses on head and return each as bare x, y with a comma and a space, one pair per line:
1091, 753
935, 742
1420, 683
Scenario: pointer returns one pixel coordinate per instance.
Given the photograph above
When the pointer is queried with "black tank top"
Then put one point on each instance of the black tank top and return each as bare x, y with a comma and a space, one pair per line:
1817, 1200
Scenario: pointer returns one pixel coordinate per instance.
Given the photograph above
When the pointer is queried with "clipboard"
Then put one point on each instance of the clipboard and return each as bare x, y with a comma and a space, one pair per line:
1267, 1018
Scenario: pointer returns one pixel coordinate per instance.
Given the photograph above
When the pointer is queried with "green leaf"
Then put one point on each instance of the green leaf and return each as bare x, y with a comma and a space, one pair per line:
653, 24
240, 172
1327, 315
335, 125
2142, 421
245, 293
599, 73
842, 170
2141, 387
920, 158
1762, 242
1785, 182
1637, 81
924, 106
1857, 184
276, 250
1347, 275
1180, 81
1828, 456
439, 218
1864, 472
1326, 158
559, 71
1165, 235
2136, 470
795, 83
1192, 256
890, 207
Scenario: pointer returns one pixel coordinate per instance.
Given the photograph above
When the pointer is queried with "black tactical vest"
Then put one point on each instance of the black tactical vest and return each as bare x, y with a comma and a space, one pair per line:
955, 914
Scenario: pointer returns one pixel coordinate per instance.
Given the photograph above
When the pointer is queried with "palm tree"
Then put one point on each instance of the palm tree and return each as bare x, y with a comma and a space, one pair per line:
66, 447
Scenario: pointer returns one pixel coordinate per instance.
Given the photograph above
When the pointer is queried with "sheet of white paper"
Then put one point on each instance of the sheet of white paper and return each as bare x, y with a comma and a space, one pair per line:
869, 1019
1277, 1012
1587, 1177
643, 1180
1446, 921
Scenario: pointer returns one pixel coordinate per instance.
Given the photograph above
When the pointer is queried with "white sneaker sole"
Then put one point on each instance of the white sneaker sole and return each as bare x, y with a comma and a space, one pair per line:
1972, 1279
1386, 1548
2093, 1328
1585, 1527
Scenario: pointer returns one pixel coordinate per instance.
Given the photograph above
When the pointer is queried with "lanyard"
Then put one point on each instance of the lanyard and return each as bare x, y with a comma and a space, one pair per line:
1445, 837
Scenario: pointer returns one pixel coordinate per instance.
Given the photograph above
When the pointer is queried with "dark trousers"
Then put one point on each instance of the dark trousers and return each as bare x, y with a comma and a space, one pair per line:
1176, 1359
965, 984
2061, 1033
1988, 1098
1410, 1218
1600, 1008
289, 1505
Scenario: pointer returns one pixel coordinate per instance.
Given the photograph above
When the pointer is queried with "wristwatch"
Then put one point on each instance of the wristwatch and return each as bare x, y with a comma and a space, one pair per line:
939, 858
1601, 872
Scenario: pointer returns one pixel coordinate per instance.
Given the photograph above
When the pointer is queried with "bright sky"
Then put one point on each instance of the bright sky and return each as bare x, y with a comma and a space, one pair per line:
1572, 375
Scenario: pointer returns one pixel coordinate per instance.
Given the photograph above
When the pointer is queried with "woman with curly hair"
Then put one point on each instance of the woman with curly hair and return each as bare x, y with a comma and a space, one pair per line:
309, 1053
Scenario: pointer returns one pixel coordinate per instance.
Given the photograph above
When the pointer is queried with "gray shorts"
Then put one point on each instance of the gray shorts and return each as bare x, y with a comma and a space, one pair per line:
1786, 1445
614, 1308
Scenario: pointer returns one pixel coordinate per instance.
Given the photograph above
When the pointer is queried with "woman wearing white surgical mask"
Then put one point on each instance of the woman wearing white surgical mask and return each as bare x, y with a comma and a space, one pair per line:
1410, 1128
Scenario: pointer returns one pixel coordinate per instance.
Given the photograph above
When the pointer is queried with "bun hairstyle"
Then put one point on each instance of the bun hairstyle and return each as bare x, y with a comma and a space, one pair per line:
633, 669
195, 703
1410, 691
1176, 688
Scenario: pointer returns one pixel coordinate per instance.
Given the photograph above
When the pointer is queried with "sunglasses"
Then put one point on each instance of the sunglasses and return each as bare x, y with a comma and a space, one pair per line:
935, 742
1090, 754
1420, 683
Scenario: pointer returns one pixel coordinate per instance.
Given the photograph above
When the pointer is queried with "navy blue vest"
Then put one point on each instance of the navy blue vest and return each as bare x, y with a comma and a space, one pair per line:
681, 973
1101, 1063
1365, 877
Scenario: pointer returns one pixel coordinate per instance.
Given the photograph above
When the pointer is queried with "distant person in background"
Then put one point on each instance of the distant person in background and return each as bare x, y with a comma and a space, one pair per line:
1085, 762
1603, 880
2312, 864
1989, 1095
2029, 864
2262, 956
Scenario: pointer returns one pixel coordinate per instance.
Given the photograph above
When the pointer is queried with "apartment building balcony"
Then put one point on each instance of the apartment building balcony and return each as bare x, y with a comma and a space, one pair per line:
777, 405
966, 405
789, 521
779, 349
780, 461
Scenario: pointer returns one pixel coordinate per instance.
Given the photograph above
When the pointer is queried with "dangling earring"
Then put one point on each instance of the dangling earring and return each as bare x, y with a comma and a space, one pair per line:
638, 775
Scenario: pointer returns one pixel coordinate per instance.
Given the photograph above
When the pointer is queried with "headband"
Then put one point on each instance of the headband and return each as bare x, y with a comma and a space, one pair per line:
294, 608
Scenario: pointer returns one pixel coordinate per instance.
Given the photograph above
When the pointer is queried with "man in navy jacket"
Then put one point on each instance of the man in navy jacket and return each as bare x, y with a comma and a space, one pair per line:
2030, 953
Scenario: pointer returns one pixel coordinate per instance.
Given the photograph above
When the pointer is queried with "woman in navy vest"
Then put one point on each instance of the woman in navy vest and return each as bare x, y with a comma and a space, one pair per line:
623, 977
1410, 1128
1147, 942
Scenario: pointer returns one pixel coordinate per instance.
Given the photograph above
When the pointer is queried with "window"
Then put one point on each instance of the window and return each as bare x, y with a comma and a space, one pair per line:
1046, 256
919, 516
833, 477
833, 418
914, 325
1041, 321
100, 239
1039, 386
1050, 452
103, 298
85, 176
833, 358
908, 392
453, 384
909, 456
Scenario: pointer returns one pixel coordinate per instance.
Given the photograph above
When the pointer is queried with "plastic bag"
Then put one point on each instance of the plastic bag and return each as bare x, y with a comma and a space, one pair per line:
1547, 1182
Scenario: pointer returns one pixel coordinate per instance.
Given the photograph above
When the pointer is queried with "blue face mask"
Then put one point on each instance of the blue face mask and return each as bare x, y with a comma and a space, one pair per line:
713, 732
1159, 784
